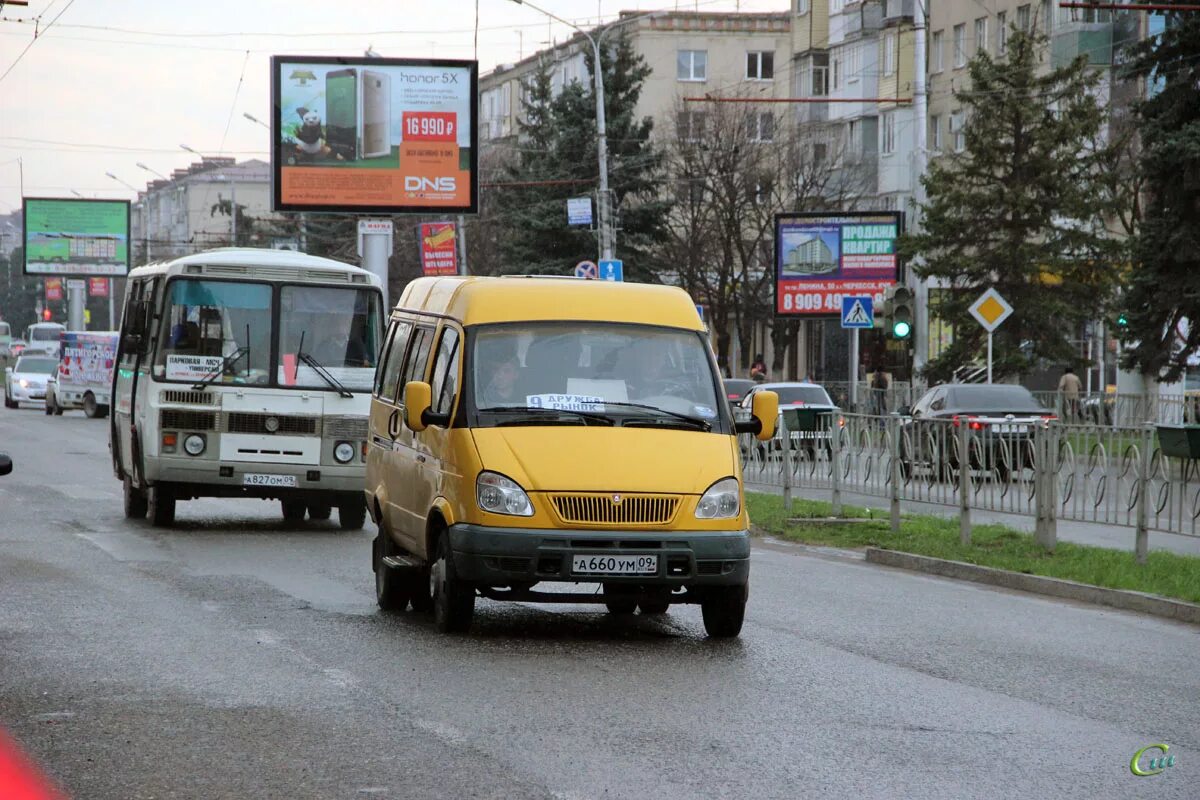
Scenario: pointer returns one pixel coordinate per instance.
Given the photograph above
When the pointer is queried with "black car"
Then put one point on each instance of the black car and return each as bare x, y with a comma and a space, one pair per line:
736, 389
1000, 419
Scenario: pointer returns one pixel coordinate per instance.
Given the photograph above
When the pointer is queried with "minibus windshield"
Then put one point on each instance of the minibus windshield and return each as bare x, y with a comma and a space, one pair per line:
216, 331
330, 330
634, 375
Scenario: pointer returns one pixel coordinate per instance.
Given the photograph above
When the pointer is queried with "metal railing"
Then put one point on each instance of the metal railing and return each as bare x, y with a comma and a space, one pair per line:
1045, 469
1102, 408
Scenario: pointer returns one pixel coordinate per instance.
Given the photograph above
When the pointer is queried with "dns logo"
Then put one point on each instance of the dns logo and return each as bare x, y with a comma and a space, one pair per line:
1155, 764
413, 183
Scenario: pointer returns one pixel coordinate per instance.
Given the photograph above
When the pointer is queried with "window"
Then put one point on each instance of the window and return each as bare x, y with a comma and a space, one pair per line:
836, 6
390, 374
801, 6
838, 70
1047, 17
956, 130
887, 142
960, 45
690, 125
331, 330
760, 65
820, 75
819, 153
935, 133
445, 372
889, 54
219, 329
1001, 33
853, 67
854, 139
418, 357
692, 65
1023, 18
761, 127
936, 51
981, 35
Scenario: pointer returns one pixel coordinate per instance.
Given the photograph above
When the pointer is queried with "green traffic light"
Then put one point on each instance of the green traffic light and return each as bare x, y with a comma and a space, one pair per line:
1122, 320
901, 329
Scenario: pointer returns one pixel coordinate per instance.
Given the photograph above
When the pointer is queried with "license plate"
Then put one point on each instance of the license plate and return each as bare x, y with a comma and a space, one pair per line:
1004, 428
258, 479
614, 565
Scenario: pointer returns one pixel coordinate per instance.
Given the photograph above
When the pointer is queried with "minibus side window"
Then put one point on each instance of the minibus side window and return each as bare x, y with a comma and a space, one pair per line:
418, 356
390, 371
132, 295
445, 372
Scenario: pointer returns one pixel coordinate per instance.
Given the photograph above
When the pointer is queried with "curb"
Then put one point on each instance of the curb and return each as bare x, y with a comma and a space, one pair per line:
1054, 587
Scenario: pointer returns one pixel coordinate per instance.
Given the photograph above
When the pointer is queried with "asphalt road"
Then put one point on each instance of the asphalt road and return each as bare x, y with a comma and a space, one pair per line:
235, 657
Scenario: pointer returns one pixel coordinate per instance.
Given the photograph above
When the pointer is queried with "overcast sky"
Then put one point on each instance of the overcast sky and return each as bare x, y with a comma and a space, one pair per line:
115, 82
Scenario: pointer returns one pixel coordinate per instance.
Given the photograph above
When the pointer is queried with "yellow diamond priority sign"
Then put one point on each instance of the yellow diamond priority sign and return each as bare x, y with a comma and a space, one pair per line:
990, 309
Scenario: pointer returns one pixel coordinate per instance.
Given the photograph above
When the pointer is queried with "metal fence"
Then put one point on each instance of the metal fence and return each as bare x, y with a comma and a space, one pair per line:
1050, 471
1102, 408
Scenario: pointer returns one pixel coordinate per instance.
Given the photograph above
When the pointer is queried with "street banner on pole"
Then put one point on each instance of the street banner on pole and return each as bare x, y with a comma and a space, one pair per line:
439, 254
98, 287
54, 289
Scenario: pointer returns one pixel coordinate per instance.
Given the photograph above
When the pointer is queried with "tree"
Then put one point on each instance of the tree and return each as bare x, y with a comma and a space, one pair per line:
1163, 292
556, 159
1022, 209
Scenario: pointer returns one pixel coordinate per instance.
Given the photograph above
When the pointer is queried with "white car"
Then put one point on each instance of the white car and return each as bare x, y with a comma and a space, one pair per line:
25, 382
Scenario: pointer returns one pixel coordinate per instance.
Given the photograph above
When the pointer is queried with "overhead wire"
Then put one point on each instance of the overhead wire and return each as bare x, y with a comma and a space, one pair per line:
37, 35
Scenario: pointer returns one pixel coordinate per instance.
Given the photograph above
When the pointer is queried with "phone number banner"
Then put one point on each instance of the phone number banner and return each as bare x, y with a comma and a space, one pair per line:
821, 258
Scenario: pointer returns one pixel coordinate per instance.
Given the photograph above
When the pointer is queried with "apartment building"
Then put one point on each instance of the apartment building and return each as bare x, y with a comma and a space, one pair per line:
174, 217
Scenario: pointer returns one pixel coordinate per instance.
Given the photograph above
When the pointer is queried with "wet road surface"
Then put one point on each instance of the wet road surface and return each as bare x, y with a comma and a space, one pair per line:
235, 656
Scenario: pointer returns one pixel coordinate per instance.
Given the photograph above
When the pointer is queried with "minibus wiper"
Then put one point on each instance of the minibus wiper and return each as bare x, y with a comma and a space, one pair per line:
585, 415
227, 362
702, 424
319, 368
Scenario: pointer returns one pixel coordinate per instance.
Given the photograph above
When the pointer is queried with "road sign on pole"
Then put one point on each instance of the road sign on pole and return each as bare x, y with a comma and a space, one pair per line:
587, 269
990, 310
858, 312
612, 269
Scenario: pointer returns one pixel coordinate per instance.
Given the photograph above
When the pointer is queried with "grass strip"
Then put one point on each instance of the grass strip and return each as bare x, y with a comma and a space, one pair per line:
1164, 574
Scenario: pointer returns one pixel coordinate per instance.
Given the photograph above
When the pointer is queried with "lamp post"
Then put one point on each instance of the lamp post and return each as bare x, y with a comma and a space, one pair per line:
123, 183
255, 119
152, 171
607, 234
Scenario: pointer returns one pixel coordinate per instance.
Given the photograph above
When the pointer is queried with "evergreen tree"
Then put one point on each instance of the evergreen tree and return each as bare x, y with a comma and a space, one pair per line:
1164, 284
1021, 209
556, 151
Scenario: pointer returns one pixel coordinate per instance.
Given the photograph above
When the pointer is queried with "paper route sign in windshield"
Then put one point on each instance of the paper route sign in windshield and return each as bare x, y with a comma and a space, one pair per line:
566, 402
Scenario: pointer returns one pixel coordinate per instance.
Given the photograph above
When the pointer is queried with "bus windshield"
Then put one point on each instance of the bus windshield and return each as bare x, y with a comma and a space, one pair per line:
216, 330
328, 329
39, 333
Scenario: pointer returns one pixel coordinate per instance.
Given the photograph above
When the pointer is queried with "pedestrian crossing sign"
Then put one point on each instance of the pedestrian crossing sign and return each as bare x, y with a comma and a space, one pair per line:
858, 312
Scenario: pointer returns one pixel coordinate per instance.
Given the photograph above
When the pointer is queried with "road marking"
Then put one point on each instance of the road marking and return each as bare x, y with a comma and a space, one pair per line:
127, 546
447, 733
340, 678
77, 492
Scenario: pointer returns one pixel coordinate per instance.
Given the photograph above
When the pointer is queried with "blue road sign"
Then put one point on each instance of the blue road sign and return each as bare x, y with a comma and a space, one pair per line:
858, 312
587, 269
579, 211
612, 269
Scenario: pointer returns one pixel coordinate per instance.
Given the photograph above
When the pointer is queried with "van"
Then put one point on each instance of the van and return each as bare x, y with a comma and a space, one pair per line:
529, 432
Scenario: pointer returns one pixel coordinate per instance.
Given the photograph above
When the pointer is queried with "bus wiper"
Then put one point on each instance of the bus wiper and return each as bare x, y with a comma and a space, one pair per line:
604, 419
227, 362
697, 422
319, 368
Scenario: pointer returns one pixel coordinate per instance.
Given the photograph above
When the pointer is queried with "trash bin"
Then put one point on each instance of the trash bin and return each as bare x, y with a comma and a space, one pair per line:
809, 427
1179, 441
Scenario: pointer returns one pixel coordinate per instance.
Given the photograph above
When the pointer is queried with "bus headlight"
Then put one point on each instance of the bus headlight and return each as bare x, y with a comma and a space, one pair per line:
500, 495
194, 444
343, 452
721, 501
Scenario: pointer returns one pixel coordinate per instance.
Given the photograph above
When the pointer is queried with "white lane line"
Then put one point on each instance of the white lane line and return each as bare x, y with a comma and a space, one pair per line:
127, 546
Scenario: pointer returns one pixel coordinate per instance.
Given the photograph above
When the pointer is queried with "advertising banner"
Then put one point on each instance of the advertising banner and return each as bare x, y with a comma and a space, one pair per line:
98, 287
374, 134
822, 257
76, 237
438, 253
54, 288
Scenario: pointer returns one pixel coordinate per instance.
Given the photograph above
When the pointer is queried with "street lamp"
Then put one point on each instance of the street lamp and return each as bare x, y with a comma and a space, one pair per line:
190, 150
123, 183
77, 194
253, 118
607, 234
153, 171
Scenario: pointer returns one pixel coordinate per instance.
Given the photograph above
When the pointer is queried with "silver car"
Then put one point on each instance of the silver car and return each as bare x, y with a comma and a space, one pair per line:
25, 382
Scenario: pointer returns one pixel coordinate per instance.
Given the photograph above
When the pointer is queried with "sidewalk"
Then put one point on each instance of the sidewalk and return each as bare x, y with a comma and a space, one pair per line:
1114, 537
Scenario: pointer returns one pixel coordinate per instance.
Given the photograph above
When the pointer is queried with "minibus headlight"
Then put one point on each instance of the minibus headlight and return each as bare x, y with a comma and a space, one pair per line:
343, 452
194, 444
499, 495
721, 501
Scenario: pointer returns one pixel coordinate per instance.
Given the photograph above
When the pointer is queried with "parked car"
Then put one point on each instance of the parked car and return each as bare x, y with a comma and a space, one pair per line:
1000, 417
809, 413
25, 382
736, 390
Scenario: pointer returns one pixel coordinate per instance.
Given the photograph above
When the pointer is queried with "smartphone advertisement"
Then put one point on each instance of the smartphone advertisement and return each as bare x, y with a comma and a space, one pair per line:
374, 134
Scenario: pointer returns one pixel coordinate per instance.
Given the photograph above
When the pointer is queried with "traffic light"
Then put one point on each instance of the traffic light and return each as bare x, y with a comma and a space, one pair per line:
898, 311
1122, 320
46, 315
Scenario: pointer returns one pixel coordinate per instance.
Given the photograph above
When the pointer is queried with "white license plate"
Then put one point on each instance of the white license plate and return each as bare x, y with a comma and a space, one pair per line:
1011, 428
614, 565
258, 479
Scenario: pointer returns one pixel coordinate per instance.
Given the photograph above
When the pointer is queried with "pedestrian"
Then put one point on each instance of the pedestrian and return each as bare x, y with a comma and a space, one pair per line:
758, 369
1068, 390
879, 387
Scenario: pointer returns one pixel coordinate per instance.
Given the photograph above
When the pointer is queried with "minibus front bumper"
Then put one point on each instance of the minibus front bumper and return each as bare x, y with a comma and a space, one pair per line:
502, 556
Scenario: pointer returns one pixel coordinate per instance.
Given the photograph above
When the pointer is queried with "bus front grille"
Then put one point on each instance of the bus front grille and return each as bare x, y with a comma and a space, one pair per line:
243, 422
188, 398
175, 419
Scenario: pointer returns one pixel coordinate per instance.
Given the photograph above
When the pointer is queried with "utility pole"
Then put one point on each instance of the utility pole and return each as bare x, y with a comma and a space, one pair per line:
921, 113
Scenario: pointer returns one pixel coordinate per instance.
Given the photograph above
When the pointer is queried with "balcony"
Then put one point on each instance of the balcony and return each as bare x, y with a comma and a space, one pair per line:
1072, 39
897, 11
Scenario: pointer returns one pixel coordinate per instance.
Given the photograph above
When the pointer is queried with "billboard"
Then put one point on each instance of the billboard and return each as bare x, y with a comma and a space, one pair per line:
76, 237
374, 135
822, 257
438, 253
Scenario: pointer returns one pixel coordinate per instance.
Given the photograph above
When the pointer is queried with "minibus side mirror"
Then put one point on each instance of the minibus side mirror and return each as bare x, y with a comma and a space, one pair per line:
5, 464
417, 412
764, 411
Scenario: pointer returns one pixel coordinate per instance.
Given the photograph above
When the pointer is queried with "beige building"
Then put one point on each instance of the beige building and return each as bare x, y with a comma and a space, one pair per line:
175, 217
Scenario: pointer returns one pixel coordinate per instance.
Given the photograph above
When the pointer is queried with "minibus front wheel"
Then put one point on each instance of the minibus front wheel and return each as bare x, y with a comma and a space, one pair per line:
724, 609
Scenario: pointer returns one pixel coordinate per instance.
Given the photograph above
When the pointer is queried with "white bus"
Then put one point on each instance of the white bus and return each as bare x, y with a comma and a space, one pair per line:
44, 336
246, 373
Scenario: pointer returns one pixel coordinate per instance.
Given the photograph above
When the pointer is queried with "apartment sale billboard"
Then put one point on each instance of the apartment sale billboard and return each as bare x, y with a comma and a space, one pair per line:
76, 237
384, 135
822, 257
